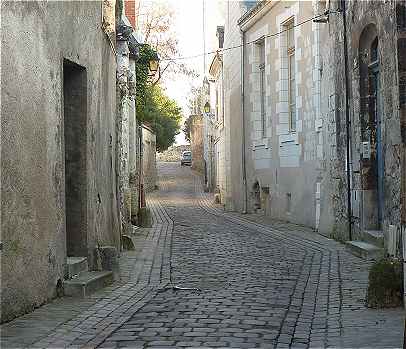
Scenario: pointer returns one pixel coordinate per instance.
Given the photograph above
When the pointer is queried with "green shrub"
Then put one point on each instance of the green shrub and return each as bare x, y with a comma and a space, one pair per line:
385, 286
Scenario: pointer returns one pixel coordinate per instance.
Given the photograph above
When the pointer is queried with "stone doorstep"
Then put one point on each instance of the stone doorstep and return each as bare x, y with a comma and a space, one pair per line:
87, 283
75, 266
374, 237
364, 250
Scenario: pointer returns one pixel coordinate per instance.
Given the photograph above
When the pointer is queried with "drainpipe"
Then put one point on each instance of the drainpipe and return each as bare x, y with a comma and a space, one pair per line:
141, 170
244, 167
347, 122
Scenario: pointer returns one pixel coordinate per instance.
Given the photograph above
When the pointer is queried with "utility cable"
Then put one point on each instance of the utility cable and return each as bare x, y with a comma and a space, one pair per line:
253, 41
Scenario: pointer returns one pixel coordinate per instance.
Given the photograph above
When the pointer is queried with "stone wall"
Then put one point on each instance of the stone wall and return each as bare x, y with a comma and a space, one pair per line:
233, 138
40, 41
172, 154
149, 158
196, 143
365, 21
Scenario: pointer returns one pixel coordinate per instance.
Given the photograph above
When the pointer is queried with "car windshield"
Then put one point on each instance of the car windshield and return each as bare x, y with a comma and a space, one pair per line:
187, 155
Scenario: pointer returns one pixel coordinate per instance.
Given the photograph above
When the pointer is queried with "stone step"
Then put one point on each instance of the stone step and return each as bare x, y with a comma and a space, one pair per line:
364, 250
87, 282
374, 237
75, 266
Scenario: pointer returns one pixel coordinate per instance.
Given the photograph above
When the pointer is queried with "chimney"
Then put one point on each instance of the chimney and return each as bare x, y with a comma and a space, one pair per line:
131, 11
220, 35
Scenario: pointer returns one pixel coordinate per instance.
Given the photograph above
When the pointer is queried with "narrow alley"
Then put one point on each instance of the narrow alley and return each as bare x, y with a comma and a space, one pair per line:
206, 278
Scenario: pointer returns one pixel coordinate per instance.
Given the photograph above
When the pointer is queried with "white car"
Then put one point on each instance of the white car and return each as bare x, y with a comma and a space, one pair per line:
186, 158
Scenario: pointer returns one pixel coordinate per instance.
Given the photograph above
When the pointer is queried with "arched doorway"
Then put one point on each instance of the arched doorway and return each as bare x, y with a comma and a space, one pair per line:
256, 191
372, 161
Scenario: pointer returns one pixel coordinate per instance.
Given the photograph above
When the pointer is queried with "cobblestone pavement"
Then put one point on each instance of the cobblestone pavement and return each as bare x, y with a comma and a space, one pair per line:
251, 283
206, 278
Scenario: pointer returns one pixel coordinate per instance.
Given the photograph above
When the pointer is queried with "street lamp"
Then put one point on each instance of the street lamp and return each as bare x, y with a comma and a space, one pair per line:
206, 108
153, 65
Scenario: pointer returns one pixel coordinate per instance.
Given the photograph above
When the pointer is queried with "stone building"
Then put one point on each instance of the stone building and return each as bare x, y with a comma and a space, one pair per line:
233, 125
300, 150
58, 130
282, 120
196, 143
128, 129
364, 62
219, 180
209, 130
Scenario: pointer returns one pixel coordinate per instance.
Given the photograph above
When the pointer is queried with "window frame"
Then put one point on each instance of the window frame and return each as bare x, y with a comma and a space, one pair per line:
289, 27
262, 84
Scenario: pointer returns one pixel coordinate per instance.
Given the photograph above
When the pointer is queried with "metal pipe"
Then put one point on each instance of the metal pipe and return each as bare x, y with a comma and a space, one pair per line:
347, 122
140, 174
244, 167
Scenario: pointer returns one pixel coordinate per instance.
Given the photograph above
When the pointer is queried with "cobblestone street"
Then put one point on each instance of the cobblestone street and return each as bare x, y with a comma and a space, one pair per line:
207, 278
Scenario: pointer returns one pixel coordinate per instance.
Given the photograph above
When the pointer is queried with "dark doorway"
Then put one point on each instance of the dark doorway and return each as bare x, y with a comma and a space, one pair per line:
256, 191
372, 160
75, 131
377, 133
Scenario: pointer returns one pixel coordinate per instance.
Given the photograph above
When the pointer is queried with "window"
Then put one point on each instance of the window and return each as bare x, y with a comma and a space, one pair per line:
374, 51
217, 104
290, 47
262, 86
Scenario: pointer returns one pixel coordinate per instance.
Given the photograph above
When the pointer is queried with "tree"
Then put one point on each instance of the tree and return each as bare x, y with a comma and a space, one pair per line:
155, 25
153, 106
146, 53
164, 116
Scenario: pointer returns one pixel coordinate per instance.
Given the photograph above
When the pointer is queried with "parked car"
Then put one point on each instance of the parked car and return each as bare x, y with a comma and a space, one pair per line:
186, 158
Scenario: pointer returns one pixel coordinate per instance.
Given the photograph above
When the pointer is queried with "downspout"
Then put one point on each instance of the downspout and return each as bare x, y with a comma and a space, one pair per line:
244, 167
347, 122
141, 170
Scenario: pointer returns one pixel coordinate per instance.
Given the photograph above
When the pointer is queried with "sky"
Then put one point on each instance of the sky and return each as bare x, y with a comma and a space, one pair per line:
188, 28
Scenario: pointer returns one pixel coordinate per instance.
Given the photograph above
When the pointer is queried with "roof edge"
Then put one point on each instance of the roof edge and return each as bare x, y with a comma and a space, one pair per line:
250, 13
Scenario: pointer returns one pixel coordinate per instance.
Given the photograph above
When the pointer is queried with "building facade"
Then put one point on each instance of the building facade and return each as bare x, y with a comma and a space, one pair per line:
219, 184
283, 147
71, 147
59, 192
365, 60
234, 132
318, 139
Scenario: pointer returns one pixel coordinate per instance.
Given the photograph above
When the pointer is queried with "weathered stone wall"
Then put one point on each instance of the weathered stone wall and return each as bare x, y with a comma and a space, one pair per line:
333, 216
36, 37
196, 143
149, 159
172, 154
378, 16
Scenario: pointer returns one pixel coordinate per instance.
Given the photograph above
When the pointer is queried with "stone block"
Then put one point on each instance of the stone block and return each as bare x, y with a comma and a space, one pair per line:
109, 260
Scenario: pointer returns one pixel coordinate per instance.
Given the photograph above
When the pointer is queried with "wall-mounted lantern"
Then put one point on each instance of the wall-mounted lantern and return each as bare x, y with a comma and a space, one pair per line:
206, 108
153, 65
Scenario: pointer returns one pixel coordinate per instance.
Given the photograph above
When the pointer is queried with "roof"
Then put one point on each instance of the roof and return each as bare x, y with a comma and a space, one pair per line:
217, 59
252, 12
